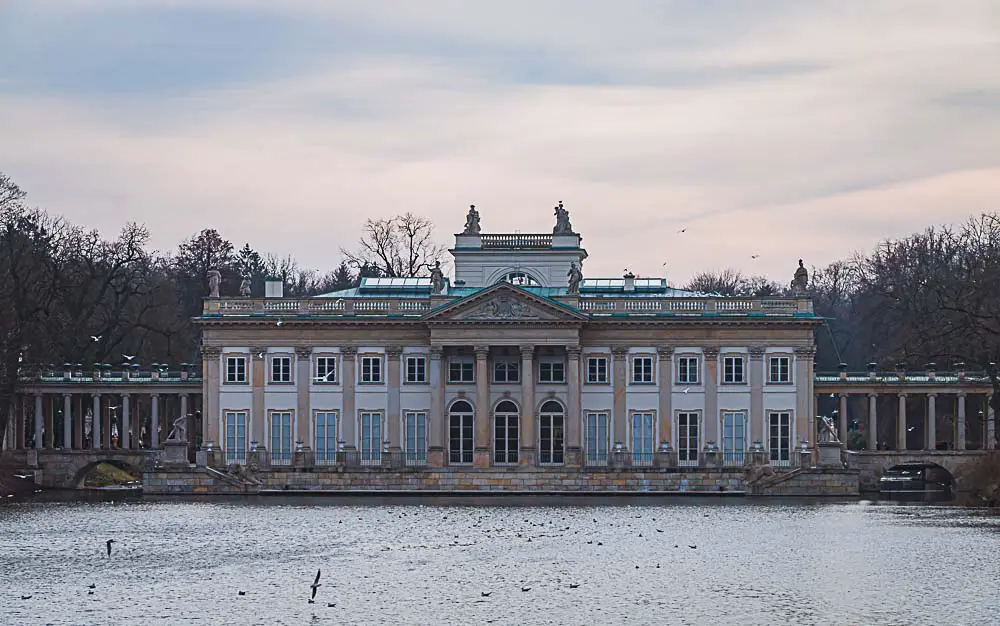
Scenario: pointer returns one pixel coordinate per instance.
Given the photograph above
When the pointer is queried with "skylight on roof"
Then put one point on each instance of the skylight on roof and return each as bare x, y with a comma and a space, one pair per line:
395, 284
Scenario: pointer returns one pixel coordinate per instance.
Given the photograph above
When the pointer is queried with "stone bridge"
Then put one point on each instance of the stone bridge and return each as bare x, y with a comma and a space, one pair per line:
66, 469
871, 465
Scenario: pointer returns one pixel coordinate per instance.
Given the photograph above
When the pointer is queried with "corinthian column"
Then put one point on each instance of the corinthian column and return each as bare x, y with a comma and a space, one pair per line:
481, 455
527, 425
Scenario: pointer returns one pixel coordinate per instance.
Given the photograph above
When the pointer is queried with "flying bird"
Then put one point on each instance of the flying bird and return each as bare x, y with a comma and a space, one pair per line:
316, 585
754, 256
108, 543
685, 390
683, 230
21, 476
96, 337
128, 357
280, 322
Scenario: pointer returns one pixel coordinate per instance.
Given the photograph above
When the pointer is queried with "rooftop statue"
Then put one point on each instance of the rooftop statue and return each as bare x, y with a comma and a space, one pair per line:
214, 280
437, 278
827, 431
472, 221
562, 227
245, 287
575, 278
800, 283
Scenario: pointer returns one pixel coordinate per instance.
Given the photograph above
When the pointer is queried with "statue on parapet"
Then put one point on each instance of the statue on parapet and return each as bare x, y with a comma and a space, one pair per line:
245, 287
562, 227
800, 283
214, 280
179, 430
472, 221
827, 430
575, 276
437, 278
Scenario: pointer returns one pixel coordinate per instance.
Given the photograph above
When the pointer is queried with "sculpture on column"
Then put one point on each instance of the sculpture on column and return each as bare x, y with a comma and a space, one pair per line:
472, 221
800, 282
214, 280
562, 227
828, 430
179, 430
575, 278
245, 287
437, 278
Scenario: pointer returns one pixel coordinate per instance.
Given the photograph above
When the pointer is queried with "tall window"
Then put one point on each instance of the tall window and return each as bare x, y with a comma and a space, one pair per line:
597, 370
460, 433
416, 369
642, 438
551, 372
688, 440
732, 370
687, 370
734, 442
506, 371
371, 369
779, 369
415, 427
281, 369
236, 369
461, 371
551, 433
371, 438
642, 370
281, 437
596, 428
505, 442
779, 430
236, 436
326, 369
326, 437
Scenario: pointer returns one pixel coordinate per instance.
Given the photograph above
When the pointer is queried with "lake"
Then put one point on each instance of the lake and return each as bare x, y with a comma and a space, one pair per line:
579, 561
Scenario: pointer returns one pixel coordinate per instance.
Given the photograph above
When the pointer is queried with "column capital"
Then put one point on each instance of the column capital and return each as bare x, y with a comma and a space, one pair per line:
481, 351
902, 394
665, 352
394, 352
211, 352
843, 394
710, 354
962, 394
258, 353
154, 396
619, 352
527, 351
437, 352
96, 394
303, 352
806, 351
125, 395
573, 352
756, 353
932, 394
872, 395
67, 395
348, 351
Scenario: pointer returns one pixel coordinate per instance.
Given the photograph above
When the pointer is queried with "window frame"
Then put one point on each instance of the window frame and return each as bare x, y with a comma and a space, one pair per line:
688, 455
598, 357
553, 364
464, 364
640, 357
778, 356
233, 454
245, 358
556, 456
685, 358
601, 455
372, 357
466, 420
278, 357
509, 364
734, 356
281, 455
323, 379
324, 456
372, 456
415, 357
417, 454
507, 455
645, 455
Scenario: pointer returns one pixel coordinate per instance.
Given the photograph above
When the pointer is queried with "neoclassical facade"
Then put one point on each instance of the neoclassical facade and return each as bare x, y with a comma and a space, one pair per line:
519, 361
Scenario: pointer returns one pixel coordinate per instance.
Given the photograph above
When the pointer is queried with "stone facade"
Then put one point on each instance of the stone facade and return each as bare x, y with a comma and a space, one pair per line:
815, 481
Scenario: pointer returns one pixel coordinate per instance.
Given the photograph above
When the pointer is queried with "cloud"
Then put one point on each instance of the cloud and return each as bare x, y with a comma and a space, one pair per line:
790, 130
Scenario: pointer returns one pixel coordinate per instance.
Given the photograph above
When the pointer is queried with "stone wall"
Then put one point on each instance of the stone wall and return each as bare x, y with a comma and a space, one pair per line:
871, 465
815, 481
187, 481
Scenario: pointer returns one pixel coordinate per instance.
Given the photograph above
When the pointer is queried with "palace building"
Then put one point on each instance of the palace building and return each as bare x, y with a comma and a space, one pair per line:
518, 361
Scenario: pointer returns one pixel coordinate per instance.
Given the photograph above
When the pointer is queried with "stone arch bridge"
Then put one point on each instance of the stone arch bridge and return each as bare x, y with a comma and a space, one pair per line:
67, 469
871, 465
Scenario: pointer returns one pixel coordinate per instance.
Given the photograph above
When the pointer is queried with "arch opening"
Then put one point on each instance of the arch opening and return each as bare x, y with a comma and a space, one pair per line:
108, 473
923, 481
506, 421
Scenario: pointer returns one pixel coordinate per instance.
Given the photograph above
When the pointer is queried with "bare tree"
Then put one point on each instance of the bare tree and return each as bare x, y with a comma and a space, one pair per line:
401, 246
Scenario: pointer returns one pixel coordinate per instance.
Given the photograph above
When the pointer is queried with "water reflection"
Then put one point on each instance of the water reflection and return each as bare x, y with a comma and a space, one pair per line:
422, 562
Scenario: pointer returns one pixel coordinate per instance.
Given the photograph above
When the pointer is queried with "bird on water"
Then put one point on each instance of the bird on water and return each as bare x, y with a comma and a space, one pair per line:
108, 543
316, 585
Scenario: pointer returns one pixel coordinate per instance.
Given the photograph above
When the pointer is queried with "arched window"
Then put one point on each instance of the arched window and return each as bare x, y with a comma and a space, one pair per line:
460, 432
519, 278
552, 420
505, 442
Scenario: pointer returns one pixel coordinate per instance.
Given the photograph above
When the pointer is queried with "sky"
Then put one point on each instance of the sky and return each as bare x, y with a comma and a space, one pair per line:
782, 128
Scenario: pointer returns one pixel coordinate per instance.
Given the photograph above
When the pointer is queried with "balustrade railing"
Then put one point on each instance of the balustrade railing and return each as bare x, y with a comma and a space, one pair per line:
281, 457
516, 241
733, 458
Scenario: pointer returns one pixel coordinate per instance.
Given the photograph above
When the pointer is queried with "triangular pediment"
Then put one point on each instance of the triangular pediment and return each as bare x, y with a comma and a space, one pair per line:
505, 303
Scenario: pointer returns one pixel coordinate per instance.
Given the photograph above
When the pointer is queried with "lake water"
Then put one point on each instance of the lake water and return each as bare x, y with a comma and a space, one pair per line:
407, 562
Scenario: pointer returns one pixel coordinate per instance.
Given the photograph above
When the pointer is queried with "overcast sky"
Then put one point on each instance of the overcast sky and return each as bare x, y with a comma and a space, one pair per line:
786, 129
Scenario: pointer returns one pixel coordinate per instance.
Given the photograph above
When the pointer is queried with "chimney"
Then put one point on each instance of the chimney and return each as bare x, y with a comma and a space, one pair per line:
629, 281
273, 287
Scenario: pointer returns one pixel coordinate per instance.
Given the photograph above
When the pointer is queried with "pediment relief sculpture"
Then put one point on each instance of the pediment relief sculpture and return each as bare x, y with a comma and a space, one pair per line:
504, 307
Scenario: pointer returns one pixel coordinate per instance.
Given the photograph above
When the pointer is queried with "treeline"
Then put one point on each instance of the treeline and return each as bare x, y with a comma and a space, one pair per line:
69, 295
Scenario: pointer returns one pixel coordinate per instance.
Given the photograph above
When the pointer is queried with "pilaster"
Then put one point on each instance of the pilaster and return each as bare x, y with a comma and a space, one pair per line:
930, 437
154, 421
574, 415
125, 441
527, 422
873, 421
805, 407
303, 383
349, 421
39, 406
756, 367
665, 371
482, 421
393, 355
211, 425
619, 370
95, 423
67, 421
842, 421
711, 355
258, 414
960, 423
901, 423
437, 420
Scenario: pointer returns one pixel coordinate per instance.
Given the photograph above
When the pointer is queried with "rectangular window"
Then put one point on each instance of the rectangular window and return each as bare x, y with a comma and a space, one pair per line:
370, 447
461, 371
642, 370
326, 369
688, 441
236, 369
415, 427
597, 370
643, 432
371, 369
551, 372
281, 369
734, 442
779, 435
732, 370
281, 438
416, 370
779, 369
326, 437
506, 372
687, 370
596, 434
236, 436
